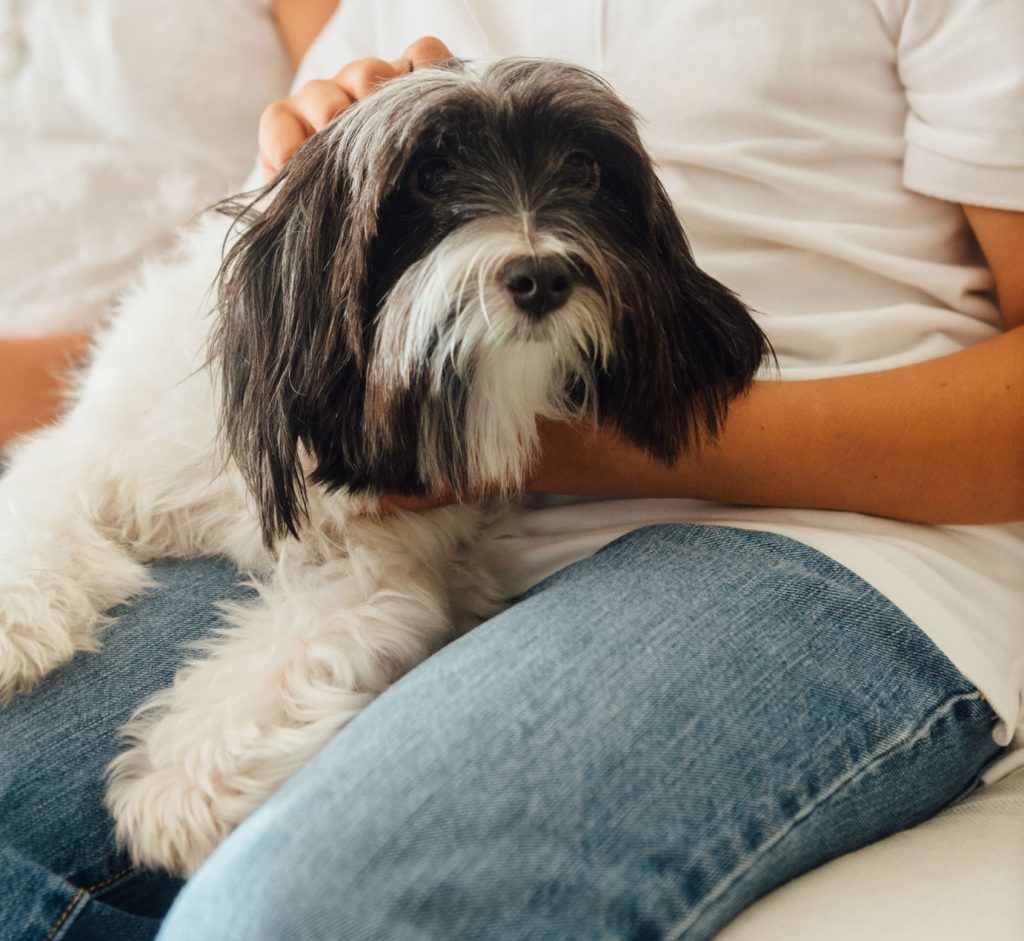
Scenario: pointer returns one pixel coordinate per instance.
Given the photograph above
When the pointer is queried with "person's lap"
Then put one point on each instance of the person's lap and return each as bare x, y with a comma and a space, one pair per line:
56, 842
647, 742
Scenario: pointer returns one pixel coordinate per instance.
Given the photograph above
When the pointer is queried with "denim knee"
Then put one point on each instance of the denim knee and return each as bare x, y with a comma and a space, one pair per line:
57, 741
623, 753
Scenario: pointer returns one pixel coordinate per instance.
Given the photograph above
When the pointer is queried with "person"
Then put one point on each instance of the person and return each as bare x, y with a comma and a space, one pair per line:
775, 651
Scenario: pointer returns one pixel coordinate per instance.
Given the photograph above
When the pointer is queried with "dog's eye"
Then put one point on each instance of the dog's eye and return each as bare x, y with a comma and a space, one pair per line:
581, 170
430, 177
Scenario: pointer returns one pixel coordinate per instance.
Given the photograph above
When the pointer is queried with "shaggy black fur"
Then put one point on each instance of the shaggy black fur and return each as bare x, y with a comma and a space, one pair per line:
301, 287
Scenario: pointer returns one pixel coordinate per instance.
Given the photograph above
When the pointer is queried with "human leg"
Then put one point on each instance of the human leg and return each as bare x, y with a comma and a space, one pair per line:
61, 876
648, 742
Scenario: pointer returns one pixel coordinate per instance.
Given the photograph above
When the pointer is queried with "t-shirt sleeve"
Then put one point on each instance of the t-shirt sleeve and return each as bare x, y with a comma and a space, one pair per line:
962, 65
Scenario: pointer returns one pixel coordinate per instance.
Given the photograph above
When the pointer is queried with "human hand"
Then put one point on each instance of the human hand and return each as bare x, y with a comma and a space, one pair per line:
287, 124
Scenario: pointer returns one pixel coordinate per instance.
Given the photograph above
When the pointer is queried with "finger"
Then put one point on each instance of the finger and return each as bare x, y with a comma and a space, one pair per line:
282, 132
425, 52
319, 102
402, 66
360, 78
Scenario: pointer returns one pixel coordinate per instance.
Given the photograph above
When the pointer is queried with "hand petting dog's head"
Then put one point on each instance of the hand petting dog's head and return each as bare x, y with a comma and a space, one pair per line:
462, 252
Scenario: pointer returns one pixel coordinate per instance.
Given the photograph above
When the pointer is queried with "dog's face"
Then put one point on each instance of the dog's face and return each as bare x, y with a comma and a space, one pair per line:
459, 253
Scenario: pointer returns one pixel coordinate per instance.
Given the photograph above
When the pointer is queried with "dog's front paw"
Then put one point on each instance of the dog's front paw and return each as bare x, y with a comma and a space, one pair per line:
184, 783
36, 635
163, 817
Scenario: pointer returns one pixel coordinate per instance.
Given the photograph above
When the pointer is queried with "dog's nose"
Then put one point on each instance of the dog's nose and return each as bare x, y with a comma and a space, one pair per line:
539, 285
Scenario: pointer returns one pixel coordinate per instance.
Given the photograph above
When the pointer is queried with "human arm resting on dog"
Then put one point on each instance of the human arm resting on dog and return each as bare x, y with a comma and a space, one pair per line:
936, 442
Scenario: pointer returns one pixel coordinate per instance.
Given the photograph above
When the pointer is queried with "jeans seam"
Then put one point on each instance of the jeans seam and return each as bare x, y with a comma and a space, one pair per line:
64, 915
903, 743
82, 893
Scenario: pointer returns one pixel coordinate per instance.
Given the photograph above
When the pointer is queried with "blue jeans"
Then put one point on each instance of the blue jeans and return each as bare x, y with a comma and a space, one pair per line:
642, 746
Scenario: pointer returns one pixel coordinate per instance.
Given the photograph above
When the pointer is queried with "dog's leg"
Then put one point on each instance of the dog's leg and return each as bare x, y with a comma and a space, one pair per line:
130, 473
59, 568
327, 635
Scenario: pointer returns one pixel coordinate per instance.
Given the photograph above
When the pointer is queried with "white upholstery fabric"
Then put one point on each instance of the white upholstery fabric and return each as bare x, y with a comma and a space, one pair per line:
118, 122
959, 875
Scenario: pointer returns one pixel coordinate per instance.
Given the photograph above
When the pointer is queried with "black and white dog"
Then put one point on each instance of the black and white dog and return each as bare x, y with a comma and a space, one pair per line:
466, 250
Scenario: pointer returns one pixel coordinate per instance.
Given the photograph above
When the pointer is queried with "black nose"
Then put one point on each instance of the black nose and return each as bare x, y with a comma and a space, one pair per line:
538, 285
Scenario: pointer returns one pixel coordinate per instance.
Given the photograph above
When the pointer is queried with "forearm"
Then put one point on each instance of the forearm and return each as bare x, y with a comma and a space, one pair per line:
937, 442
298, 23
31, 388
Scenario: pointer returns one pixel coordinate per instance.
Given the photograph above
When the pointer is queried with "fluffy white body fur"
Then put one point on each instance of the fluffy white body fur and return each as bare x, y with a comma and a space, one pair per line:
338, 359
135, 472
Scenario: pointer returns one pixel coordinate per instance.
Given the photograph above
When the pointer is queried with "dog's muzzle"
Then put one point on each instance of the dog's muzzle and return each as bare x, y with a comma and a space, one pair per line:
538, 285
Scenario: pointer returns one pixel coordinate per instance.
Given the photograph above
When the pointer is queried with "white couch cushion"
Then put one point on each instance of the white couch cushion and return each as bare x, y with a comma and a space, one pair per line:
959, 875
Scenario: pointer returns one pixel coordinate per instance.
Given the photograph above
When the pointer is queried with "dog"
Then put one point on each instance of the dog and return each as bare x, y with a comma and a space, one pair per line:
464, 251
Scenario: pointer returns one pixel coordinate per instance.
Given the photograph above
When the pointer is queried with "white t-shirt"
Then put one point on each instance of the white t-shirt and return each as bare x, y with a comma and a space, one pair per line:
816, 153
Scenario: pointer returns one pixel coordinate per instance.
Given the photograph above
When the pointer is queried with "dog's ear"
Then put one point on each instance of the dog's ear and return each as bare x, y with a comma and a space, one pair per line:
291, 298
687, 345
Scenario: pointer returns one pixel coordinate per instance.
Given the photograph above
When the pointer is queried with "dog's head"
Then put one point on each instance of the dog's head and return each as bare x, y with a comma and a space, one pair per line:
456, 255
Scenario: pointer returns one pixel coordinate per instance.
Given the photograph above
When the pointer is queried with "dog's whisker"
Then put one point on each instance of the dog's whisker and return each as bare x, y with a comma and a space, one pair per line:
482, 299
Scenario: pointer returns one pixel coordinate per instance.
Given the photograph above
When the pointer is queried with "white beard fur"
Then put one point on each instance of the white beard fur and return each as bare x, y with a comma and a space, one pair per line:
135, 472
